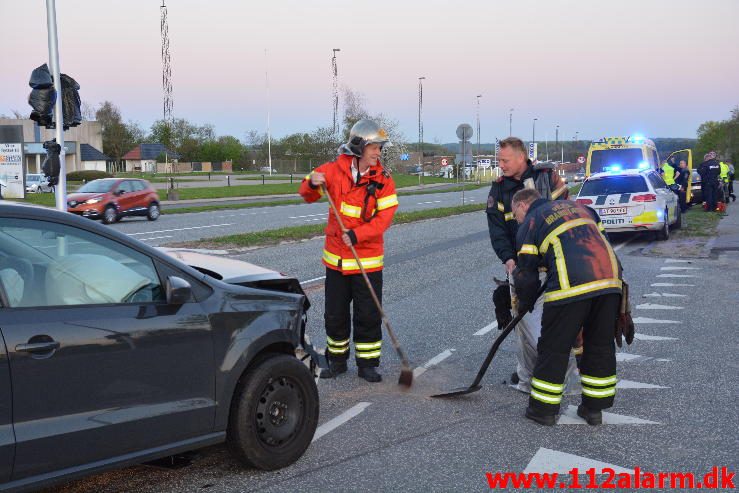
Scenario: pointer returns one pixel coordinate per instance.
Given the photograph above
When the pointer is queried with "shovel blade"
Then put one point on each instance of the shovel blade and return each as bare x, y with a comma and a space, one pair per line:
458, 391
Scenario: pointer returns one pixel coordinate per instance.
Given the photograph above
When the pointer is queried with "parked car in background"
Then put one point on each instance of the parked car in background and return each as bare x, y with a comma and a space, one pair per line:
37, 183
116, 353
632, 200
578, 177
696, 191
111, 199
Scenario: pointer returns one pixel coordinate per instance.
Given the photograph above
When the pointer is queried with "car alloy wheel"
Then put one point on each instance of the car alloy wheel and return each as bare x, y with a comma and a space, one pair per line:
153, 212
110, 215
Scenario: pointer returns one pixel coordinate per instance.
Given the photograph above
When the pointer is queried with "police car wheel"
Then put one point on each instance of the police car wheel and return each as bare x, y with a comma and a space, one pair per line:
274, 413
664, 233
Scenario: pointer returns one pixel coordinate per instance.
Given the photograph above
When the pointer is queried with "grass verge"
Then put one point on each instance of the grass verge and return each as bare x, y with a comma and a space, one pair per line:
697, 224
294, 233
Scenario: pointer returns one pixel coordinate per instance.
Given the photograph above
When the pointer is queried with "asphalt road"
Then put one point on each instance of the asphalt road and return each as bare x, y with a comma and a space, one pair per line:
199, 225
675, 409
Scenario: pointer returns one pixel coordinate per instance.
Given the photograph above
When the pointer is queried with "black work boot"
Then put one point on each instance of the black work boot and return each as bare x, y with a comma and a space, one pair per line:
591, 416
514, 378
542, 419
370, 374
335, 368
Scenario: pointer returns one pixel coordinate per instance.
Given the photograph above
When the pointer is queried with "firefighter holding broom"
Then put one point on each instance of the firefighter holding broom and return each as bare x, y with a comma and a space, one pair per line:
364, 196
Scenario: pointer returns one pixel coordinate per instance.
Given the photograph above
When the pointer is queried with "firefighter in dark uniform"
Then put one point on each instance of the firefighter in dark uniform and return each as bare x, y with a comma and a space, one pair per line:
583, 290
518, 173
365, 194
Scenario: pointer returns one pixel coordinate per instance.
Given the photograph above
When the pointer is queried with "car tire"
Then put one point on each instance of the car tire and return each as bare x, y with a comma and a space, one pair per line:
110, 215
274, 413
679, 222
664, 233
153, 212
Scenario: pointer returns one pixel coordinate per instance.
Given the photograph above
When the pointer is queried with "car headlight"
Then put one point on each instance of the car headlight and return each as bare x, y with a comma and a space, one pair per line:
93, 201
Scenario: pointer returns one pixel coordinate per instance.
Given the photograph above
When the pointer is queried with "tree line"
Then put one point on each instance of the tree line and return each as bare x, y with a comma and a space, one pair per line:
720, 136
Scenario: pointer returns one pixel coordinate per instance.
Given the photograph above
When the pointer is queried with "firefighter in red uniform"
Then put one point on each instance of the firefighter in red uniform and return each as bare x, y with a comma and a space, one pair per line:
364, 193
583, 290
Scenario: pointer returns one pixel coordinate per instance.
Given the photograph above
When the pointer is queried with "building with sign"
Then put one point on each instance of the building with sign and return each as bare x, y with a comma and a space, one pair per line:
82, 144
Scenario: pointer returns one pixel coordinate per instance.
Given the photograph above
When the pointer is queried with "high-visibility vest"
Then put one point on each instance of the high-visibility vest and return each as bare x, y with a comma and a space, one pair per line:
724, 172
669, 174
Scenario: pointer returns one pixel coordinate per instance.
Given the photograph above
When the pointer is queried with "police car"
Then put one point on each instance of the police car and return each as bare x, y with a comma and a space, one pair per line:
632, 200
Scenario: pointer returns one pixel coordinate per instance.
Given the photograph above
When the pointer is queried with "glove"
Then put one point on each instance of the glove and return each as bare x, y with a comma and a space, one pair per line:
502, 302
527, 284
624, 324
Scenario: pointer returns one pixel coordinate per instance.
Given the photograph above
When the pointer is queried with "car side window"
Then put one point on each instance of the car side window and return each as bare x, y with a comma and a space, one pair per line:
48, 264
138, 186
126, 186
657, 181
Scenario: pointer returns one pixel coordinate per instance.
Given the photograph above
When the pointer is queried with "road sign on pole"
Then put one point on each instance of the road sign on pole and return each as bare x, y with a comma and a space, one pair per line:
532, 150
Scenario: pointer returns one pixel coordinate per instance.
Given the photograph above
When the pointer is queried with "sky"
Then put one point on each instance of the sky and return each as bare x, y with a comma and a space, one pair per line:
655, 67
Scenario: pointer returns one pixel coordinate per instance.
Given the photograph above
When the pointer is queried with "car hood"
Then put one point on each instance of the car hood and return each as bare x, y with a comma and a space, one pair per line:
225, 269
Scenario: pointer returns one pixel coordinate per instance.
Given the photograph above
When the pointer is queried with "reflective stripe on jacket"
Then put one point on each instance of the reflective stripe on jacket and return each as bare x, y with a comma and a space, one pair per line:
568, 239
366, 207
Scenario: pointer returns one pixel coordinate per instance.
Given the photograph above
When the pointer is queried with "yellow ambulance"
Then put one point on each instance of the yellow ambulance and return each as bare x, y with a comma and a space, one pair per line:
616, 154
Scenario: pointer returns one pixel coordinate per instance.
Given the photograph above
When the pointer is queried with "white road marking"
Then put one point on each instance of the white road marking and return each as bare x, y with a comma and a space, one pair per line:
548, 461
664, 295
630, 384
662, 359
654, 306
181, 229
679, 268
645, 337
627, 356
312, 280
153, 238
569, 417
486, 329
417, 372
675, 275
339, 420
645, 320
675, 261
308, 215
670, 285
621, 245
430, 202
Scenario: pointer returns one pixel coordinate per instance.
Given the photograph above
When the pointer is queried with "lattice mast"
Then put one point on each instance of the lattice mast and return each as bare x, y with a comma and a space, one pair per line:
166, 66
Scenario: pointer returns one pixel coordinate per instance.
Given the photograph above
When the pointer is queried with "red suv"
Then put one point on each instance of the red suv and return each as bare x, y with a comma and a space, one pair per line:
110, 199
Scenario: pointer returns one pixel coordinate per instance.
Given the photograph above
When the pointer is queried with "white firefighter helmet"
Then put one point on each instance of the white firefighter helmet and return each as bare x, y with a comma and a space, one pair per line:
362, 133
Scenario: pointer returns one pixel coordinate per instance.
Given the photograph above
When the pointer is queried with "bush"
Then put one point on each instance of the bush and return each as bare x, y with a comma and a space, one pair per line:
87, 175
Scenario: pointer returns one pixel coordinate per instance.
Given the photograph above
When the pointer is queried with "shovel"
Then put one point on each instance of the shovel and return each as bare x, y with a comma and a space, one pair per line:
486, 364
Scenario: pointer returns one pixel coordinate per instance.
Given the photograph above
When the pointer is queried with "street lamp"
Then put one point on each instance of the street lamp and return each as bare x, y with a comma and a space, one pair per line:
420, 123
510, 122
533, 131
478, 125
335, 91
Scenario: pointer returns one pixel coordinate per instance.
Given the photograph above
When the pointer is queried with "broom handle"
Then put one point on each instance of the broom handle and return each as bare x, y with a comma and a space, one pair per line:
385, 320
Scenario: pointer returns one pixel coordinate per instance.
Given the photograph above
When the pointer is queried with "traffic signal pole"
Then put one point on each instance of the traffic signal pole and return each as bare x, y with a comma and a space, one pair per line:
61, 187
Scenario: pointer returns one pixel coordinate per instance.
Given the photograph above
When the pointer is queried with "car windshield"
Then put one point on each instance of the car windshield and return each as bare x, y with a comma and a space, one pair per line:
614, 184
97, 186
615, 160
33, 178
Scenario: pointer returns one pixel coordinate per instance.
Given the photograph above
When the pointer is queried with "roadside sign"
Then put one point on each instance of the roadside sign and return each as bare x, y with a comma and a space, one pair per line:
532, 150
405, 157
444, 162
580, 159
497, 146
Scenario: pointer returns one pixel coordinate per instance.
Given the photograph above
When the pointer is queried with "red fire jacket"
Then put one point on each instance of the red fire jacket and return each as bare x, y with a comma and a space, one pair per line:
366, 207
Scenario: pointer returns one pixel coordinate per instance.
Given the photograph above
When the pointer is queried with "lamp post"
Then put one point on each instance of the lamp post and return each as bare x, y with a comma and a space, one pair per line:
335, 91
510, 122
420, 122
478, 125
533, 131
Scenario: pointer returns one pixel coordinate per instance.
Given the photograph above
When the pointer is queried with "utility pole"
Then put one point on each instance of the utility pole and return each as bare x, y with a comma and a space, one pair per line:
166, 67
510, 122
335, 93
269, 104
533, 131
546, 143
420, 122
478, 126
61, 186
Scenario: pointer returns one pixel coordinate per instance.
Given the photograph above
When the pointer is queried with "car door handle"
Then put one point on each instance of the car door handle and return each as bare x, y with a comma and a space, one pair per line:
37, 347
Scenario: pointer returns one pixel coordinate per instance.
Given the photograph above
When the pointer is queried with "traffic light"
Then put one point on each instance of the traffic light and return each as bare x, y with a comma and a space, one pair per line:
43, 98
51, 165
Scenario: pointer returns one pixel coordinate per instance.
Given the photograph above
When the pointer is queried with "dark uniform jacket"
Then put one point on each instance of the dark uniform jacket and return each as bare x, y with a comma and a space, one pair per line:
710, 171
501, 223
567, 238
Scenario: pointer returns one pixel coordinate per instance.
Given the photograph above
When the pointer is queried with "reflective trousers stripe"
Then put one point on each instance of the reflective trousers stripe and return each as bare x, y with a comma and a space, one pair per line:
600, 393
548, 386
546, 398
598, 381
367, 346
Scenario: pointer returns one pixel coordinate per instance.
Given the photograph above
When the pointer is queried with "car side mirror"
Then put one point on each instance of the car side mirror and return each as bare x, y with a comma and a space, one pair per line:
178, 290
119, 192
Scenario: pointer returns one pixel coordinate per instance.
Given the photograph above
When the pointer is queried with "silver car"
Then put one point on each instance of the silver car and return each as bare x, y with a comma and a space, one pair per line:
36, 183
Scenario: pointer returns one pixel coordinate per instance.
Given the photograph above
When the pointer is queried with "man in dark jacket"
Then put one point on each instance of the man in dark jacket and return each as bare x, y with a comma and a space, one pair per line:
519, 173
710, 171
583, 291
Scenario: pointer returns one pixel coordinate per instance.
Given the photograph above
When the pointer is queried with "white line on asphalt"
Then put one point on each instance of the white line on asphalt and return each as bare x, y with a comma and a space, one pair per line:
433, 361
339, 420
646, 337
679, 268
675, 261
654, 306
675, 275
665, 295
181, 229
153, 238
670, 284
486, 329
646, 320
621, 245
312, 280
308, 215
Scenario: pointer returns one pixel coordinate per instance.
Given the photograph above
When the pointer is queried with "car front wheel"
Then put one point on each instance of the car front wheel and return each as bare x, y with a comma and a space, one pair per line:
110, 215
274, 413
